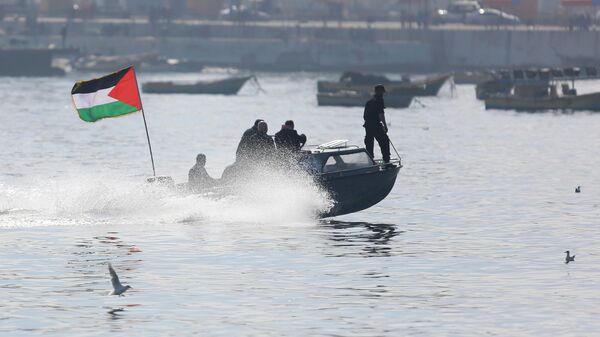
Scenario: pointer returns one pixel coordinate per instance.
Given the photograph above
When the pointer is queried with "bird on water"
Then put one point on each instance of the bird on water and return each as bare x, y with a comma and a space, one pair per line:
118, 288
569, 258
578, 189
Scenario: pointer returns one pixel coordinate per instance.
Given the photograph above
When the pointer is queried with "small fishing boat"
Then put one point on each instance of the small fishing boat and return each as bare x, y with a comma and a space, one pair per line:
472, 77
589, 102
229, 86
429, 86
357, 99
536, 97
28, 61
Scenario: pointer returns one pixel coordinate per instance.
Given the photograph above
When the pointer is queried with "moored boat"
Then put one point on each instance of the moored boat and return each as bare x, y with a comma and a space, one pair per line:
429, 86
26, 61
590, 102
356, 99
229, 86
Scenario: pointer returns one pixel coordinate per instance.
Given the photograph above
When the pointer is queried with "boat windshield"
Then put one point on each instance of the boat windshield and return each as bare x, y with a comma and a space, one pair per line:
349, 161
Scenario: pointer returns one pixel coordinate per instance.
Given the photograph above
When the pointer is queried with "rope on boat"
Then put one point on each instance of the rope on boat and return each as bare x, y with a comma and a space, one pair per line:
260, 88
418, 101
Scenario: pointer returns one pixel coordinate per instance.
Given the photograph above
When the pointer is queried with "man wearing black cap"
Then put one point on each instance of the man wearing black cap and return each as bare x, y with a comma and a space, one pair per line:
375, 125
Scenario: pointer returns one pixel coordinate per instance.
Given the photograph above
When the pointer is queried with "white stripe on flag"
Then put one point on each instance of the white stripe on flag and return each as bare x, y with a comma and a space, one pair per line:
99, 97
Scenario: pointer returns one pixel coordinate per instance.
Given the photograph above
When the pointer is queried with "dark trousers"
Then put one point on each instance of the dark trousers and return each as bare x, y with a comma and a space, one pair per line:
382, 139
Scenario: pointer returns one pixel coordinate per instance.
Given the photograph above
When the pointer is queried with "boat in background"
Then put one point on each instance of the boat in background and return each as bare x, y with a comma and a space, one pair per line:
24, 61
587, 102
540, 97
505, 80
472, 77
147, 62
228, 86
429, 86
358, 99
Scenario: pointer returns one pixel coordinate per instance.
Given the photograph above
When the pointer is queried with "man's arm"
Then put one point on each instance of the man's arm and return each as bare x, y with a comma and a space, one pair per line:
382, 120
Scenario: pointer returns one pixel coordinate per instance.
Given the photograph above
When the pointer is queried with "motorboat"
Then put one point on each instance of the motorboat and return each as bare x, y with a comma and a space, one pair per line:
352, 178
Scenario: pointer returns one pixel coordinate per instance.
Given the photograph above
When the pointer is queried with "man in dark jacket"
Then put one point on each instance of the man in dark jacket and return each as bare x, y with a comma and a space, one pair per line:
288, 139
260, 146
242, 149
375, 125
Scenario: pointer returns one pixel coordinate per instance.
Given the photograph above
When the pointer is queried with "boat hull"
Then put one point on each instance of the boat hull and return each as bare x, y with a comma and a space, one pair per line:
589, 102
359, 100
428, 87
356, 191
230, 86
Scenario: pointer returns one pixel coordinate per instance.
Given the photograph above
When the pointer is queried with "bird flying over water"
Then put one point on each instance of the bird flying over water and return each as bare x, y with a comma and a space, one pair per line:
569, 258
118, 288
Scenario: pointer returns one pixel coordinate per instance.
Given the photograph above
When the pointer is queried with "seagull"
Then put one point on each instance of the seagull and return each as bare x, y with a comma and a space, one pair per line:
569, 258
118, 288
578, 189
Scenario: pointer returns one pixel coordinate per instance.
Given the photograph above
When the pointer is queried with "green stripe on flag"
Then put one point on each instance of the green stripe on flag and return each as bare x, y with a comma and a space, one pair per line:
114, 109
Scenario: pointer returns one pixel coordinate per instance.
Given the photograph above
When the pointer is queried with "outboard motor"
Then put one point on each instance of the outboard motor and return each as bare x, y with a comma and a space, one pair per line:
165, 181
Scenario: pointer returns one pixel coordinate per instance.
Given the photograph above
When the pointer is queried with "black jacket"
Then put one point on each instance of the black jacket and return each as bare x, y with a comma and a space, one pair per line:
260, 146
288, 139
242, 149
373, 109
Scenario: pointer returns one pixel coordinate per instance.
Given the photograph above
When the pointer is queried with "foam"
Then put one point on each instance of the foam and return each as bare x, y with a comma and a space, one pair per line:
273, 195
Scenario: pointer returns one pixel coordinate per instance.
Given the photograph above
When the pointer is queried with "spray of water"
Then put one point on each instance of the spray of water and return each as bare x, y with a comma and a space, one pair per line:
265, 195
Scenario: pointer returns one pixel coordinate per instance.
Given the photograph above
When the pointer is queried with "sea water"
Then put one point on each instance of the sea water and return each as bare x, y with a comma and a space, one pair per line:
469, 242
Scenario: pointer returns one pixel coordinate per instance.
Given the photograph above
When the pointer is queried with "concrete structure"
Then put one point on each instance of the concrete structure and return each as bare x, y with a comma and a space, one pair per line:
318, 46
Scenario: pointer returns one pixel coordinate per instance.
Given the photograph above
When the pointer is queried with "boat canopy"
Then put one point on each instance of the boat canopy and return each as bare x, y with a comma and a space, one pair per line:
337, 159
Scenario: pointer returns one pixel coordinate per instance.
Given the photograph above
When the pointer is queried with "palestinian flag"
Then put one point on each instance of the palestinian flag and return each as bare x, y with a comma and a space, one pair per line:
109, 96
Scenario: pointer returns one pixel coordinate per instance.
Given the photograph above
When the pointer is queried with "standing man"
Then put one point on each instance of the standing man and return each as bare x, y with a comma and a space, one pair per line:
375, 126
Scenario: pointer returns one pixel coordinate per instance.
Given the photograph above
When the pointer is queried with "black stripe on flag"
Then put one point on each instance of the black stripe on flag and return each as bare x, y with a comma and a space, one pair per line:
87, 87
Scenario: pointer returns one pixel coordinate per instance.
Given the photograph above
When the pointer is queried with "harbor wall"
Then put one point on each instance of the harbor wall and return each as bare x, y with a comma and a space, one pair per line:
322, 47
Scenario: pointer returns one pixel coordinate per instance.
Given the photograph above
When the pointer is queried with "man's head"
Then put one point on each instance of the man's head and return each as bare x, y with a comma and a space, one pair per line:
262, 127
289, 124
379, 90
258, 121
201, 159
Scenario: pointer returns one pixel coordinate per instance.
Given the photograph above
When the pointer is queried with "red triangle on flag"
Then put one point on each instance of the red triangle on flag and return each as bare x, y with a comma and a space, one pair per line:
126, 90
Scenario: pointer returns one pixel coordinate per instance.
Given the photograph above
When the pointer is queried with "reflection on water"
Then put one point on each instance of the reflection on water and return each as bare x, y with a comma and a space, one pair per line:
362, 238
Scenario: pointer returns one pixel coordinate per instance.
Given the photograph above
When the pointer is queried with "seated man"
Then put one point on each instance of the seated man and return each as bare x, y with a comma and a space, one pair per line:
198, 178
242, 149
260, 145
288, 139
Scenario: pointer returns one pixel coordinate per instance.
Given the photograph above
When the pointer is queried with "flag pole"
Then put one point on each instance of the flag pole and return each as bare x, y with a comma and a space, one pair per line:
145, 124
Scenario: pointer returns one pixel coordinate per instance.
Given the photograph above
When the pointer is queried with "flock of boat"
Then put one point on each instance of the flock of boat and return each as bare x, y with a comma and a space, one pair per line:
516, 89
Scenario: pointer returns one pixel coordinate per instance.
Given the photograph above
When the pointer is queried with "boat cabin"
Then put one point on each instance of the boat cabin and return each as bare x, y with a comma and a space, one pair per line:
338, 156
